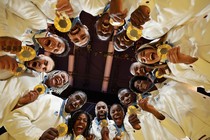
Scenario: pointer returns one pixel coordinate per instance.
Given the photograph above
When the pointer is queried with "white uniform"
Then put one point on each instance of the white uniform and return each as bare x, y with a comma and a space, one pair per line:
18, 17
188, 108
196, 74
30, 121
151, 128
165, 14
14, 88
96, 129
93, 7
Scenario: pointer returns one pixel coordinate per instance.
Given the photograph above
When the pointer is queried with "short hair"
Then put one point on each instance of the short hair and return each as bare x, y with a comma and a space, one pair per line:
58, 90
118, 105
123, 90
105, 105
133, 80
73, 119
67, 48
81, 92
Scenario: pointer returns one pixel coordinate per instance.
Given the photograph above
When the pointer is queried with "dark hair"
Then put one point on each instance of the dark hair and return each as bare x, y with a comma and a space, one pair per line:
127, 91
120, 106
73, 119
67, 48
133, 80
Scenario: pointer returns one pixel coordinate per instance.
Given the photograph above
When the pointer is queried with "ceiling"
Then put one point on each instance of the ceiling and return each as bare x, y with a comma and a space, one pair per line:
87, 69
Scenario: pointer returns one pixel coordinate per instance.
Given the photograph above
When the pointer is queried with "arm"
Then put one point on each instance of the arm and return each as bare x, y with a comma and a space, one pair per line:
26, 99
8, 63
143, 103
27, 122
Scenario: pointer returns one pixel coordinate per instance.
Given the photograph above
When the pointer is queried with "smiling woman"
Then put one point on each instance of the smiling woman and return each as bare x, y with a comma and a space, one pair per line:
79, 125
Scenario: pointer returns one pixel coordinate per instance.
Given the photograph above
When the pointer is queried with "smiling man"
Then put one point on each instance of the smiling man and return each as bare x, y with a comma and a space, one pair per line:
41, 63
37, 117
101, 111
79, 34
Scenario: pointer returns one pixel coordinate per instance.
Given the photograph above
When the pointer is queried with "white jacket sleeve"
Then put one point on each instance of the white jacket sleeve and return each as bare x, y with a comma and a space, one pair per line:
19, 125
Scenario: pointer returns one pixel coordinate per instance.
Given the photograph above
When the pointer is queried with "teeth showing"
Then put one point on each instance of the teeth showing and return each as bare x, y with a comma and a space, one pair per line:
125, 38
105, 26
151, 56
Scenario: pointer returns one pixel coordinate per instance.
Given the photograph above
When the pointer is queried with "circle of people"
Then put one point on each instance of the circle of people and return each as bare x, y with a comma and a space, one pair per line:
168, 94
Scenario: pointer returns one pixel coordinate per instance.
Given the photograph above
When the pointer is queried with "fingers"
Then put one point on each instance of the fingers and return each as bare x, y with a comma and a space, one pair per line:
64, 6
9, 44
133, 119
8, 63
173, 55
49, 134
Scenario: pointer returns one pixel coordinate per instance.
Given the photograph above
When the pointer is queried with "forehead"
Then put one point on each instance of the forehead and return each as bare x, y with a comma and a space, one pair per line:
100, 104
115, 107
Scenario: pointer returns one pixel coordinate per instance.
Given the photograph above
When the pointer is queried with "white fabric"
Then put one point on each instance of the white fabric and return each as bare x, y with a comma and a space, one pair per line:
192, 37
14, 88
96, 129
30, 121
196, 74
188, 108
93, 7
165, 14
18, 17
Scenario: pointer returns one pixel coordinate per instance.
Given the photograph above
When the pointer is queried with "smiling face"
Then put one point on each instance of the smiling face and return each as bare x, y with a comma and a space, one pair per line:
122, 41
79, 35
138, 69
101, 110
142, 85
52, 44
41, 63
117, 114
80, 124
75, 101
148, 56
126, 97
58, 80
103, 28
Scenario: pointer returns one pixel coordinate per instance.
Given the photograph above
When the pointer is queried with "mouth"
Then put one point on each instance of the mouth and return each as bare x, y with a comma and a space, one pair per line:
58, 81
34, 64
128, 101
152, 56
47, 42
105, 25
79, 129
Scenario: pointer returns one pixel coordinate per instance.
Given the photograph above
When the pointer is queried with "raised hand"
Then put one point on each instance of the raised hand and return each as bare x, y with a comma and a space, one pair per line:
49, 134
116, 12
9, 44
134, 121
175, 56
140, 16
8, 63
64, 6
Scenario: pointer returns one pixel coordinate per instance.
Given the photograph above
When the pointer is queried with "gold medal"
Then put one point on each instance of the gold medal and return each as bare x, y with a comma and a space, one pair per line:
62, 129
20, 69
132, 110
62, 23
122, 134
26, 54
79, 137
41, 88
104, 123
157, 75
133, 33
115, 23
162, 52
